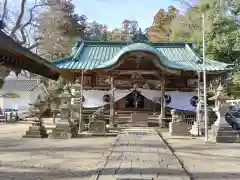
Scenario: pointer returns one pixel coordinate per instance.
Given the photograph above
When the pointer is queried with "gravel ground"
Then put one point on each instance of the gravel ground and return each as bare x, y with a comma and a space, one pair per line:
206, 161
48, 159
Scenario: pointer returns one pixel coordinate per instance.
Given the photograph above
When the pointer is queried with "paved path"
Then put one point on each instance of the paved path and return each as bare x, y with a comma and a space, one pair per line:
141, 154
206, 161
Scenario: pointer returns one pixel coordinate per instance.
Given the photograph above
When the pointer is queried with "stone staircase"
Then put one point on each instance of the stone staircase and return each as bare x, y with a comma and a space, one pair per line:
123, 118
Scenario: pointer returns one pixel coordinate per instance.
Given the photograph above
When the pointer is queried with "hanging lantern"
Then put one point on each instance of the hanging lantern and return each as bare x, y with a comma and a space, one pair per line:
194, 101
106, 98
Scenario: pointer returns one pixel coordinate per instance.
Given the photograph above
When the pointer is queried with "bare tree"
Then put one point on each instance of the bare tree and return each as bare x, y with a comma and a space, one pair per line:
19, 18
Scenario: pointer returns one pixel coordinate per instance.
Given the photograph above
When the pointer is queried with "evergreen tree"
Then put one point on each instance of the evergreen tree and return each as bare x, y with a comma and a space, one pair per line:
221, 28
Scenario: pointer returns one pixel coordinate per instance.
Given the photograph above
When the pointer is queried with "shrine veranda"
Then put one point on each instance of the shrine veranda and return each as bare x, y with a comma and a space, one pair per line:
135, 76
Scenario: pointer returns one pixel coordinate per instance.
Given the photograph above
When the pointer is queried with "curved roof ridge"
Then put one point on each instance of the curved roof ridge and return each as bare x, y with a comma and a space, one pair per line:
141, 47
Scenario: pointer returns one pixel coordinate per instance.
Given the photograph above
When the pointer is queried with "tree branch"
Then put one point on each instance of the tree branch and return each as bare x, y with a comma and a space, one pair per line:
29, 22
4, 14
19, 19
33, 46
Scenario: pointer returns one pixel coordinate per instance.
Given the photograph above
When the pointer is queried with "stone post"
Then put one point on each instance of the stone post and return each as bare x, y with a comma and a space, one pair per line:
77, 105
111, 122
197, 128
162, 115
55, 108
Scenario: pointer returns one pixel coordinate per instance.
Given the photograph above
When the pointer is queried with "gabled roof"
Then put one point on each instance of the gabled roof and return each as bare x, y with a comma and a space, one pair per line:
103, 54
22, 58
19, 85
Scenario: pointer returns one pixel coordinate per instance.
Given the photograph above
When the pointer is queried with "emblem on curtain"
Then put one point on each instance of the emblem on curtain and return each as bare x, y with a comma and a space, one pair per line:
167, 99
106, 98
194, 101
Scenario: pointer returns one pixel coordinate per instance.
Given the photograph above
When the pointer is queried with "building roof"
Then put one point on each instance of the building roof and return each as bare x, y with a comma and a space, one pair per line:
19, 85
90, 55
22, 58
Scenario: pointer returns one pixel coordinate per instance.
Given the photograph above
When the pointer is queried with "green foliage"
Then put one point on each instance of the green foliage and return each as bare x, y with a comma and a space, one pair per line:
221, 29
236, 79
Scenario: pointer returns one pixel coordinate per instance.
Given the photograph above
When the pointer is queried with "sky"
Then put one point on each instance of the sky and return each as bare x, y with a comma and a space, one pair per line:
113, 12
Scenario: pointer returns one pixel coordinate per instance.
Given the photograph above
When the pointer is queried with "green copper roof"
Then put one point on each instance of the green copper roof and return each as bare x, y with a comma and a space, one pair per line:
103, 54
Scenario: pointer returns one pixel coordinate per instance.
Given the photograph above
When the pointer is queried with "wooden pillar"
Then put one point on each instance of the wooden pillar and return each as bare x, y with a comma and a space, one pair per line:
163, 115
112, 101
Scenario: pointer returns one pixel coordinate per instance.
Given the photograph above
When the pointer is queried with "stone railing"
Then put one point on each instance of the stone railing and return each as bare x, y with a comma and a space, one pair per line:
96, 115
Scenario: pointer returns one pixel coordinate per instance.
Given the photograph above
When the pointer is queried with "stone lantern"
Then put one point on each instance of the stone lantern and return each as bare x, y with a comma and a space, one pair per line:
64, 127
54, 101
37, 129
221, 131
77, 103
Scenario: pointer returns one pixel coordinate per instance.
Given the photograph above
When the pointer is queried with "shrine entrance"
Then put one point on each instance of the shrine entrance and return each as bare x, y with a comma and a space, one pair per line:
134, 100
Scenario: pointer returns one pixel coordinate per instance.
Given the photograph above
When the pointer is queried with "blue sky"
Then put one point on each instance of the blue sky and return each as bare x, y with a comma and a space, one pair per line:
113, 12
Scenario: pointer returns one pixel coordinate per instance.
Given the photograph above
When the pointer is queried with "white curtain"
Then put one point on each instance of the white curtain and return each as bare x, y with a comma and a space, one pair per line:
179, 100
119, 94
152, 95
94, 98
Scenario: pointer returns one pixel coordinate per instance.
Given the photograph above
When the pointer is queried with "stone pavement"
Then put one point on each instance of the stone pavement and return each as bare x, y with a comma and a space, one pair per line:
141, 154
206, 161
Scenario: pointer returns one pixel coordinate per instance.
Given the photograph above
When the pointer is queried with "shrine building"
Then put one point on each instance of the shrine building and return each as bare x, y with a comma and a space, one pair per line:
140, 76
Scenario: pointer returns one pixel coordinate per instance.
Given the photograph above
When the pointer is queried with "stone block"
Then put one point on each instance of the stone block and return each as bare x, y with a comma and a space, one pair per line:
179, 128
97, 126
139, 119
36, 132
64, 131
222, 132
197, 129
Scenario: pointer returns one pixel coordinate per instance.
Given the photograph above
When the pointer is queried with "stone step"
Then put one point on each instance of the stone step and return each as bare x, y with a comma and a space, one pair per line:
35, 134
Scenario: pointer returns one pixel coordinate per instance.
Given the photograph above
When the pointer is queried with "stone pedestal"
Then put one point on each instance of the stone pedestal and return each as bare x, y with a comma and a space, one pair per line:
64, 131
97, 126
197, 129
139, 119
178, 128
221, 131
36, 131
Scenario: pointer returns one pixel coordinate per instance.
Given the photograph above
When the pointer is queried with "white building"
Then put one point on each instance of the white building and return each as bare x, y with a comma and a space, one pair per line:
18, 92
